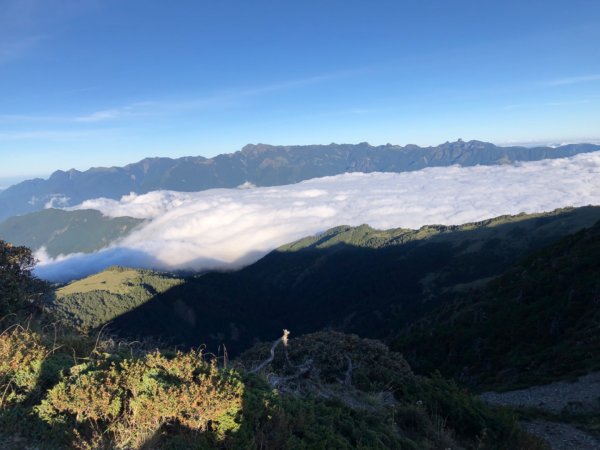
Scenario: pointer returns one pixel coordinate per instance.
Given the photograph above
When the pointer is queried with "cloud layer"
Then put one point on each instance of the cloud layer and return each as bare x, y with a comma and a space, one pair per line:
225, 228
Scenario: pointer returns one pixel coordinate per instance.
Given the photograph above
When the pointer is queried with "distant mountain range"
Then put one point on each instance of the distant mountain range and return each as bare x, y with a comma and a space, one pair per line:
261, 165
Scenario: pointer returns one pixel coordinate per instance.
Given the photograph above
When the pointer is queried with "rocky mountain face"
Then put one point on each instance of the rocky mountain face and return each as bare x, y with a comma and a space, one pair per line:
261, 165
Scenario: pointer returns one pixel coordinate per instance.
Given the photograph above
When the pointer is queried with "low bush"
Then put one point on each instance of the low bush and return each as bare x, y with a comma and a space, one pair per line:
124, 403
21, 356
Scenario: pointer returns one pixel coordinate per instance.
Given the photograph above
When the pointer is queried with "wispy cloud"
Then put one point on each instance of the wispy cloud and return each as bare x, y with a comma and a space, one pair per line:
363, 111
24, 24
573, 80
222, 99
134, 109
14, 48
47, 135
516, 106
555, 104
569, 103
549, 143
32, 118
298, 83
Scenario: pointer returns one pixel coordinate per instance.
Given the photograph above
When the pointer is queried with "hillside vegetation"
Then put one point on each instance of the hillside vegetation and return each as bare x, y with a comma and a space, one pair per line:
65, 390
96, 300
60, 396
18, 288
328, 390
536, 323
357, 280
64, 232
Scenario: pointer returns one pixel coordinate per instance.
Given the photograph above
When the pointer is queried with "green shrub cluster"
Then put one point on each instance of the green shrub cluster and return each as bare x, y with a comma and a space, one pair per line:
124, 403
182, 400
382, 404
21, 356
17, 286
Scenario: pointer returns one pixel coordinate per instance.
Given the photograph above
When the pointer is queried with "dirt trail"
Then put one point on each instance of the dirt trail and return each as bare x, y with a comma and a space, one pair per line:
562, 436
581, 396
576, 397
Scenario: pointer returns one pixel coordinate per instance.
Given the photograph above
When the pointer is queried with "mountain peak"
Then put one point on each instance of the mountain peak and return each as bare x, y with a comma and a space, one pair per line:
255, 148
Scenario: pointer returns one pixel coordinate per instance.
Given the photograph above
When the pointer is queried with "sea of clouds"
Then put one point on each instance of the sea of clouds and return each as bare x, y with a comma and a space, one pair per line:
229, 228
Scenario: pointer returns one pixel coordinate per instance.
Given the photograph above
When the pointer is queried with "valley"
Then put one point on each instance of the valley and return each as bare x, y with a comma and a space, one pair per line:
394, 332
299, 225
409, 289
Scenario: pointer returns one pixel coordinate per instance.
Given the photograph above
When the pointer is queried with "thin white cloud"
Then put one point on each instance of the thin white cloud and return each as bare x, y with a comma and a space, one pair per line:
33, 118
14, 48
50, 135
135, 109
547, 143
225, 228
223, 99
515, 106
556, 103
24, 24
301, 82
219, 100
573, 80
108, 114
19, 29
568, 103
57, 201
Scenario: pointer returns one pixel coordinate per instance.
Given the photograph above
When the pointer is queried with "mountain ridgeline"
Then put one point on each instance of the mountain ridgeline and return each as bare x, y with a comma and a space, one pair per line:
64, 232
357, 280
262, 165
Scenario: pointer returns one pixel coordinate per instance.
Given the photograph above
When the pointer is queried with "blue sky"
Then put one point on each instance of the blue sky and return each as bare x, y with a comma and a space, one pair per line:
107, 82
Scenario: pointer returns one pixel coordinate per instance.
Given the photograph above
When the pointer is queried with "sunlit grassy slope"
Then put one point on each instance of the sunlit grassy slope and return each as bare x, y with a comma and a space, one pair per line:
93, 301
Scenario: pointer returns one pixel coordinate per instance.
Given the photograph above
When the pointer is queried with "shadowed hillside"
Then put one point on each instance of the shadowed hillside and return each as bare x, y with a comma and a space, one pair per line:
538, 322
321, 390
352, 279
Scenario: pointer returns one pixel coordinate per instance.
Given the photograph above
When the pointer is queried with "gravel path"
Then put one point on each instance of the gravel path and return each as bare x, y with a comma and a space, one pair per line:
581, 396
562, 436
